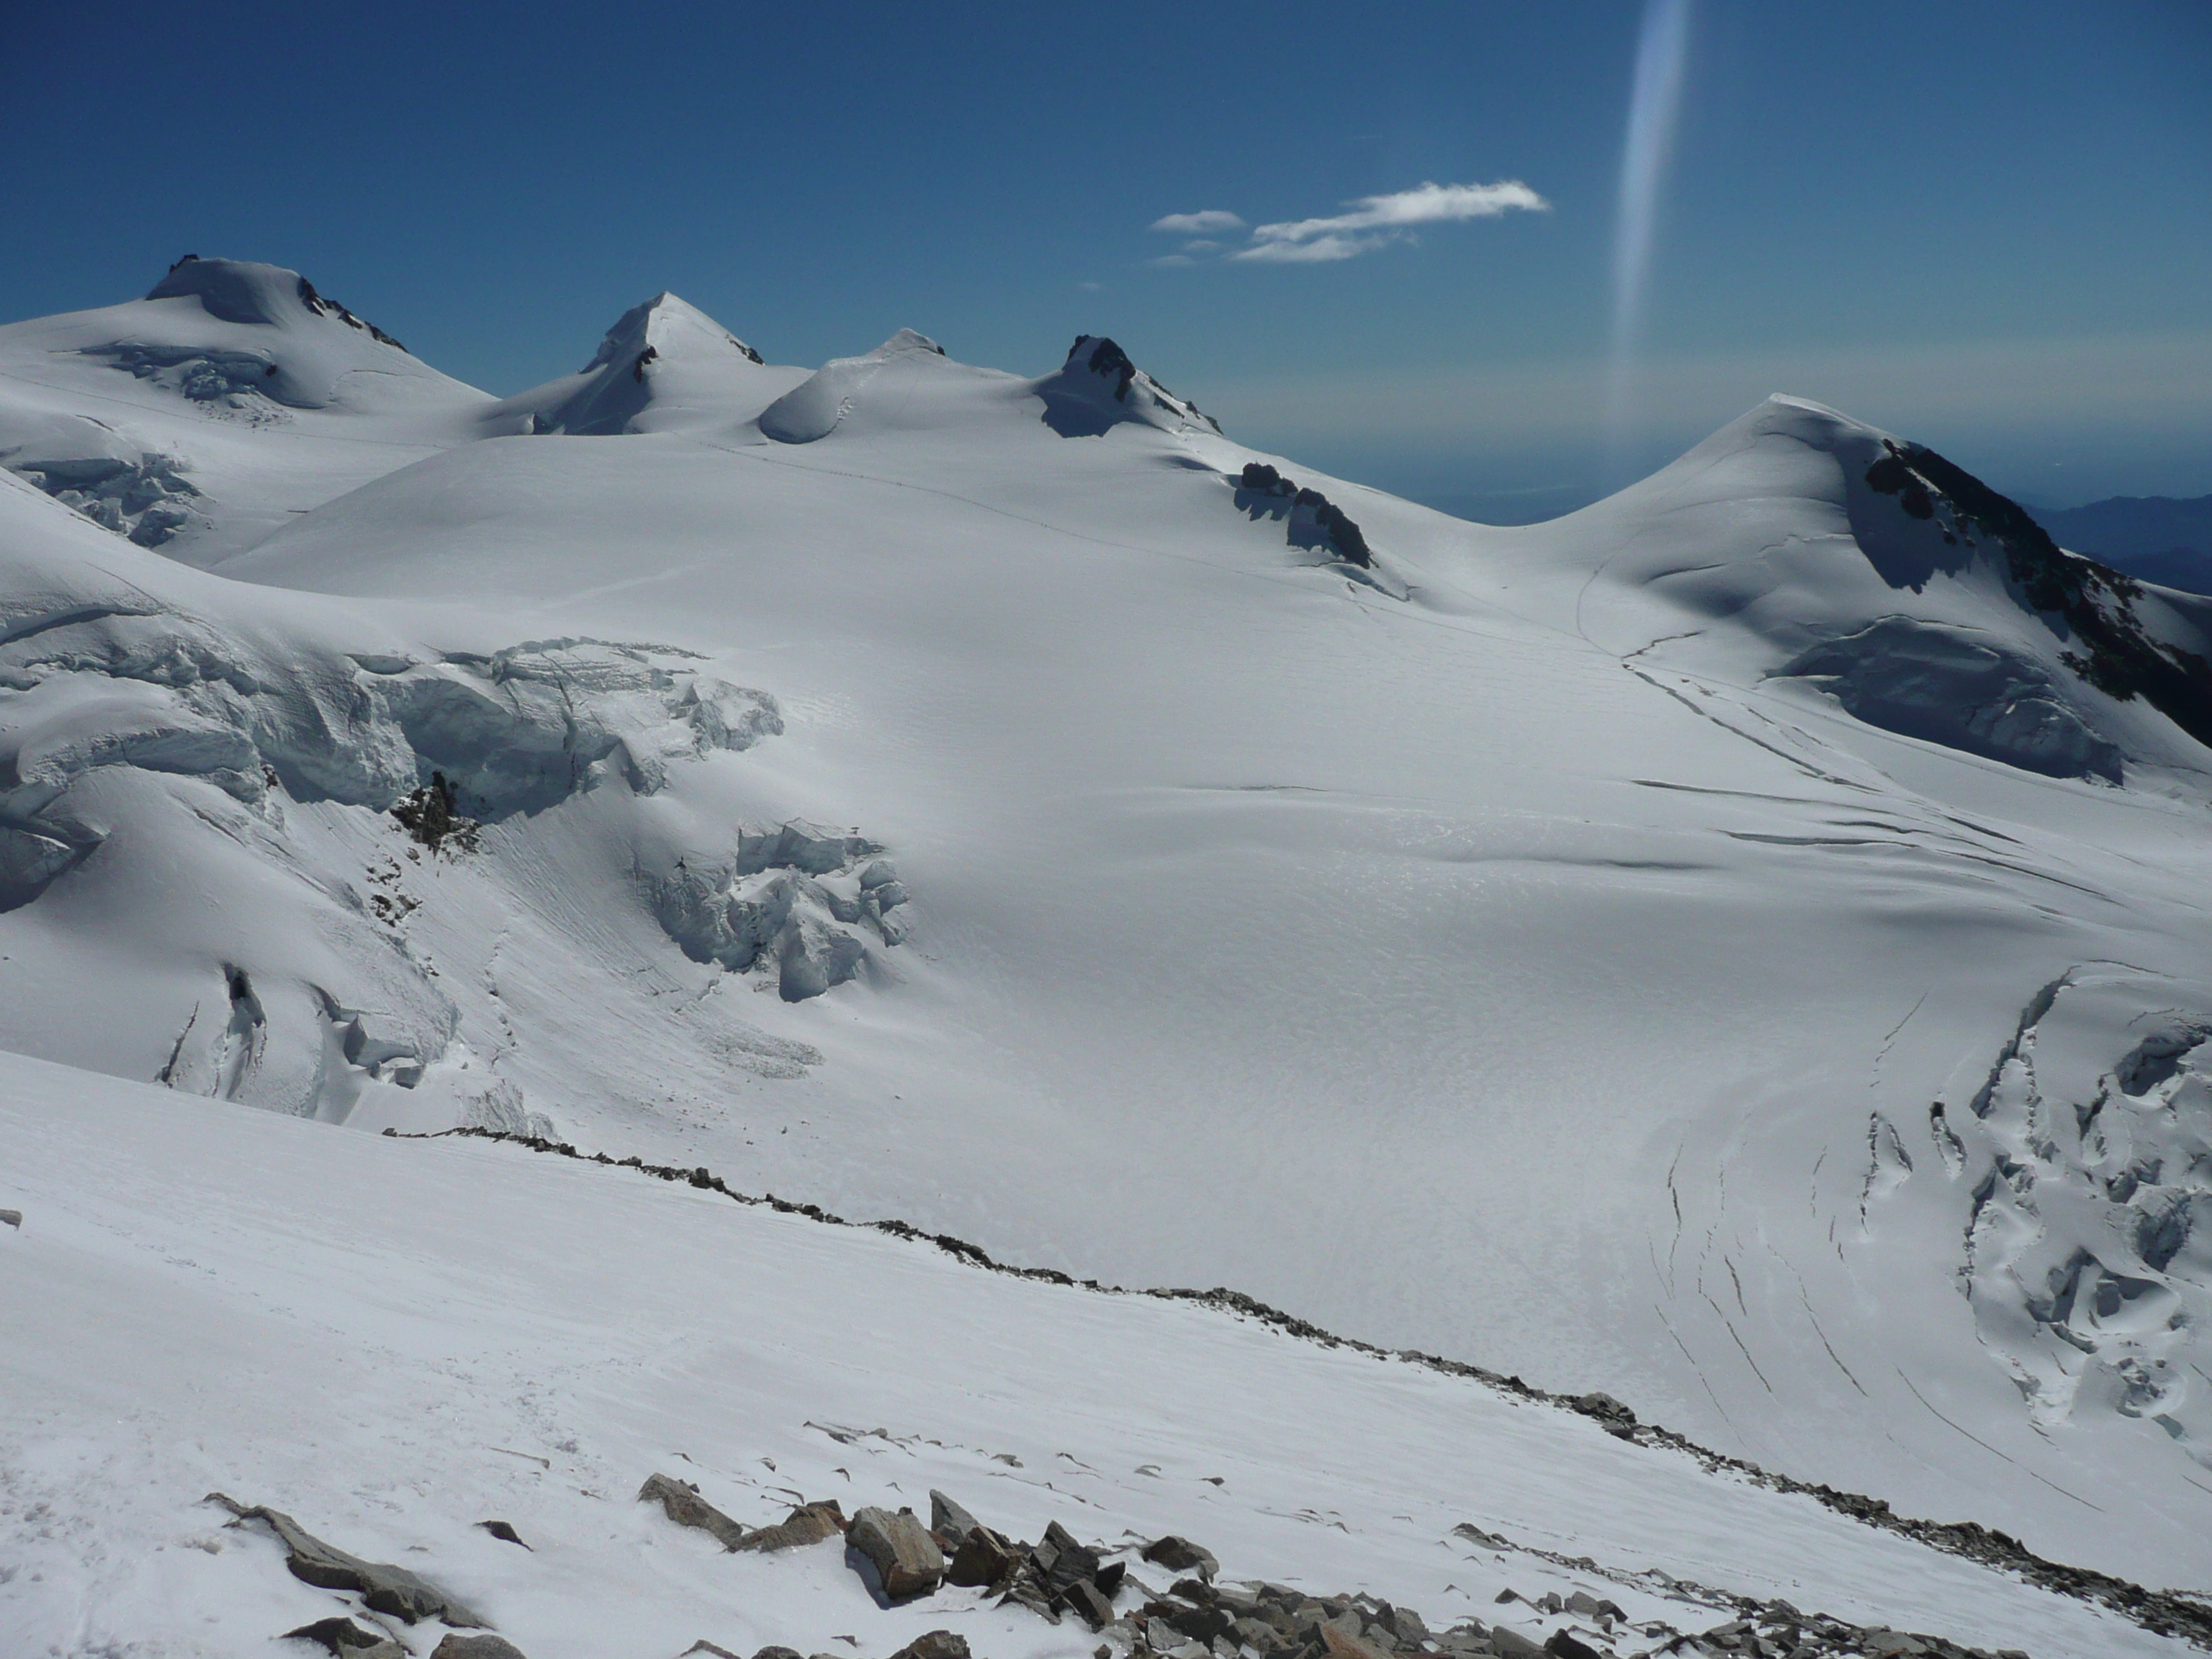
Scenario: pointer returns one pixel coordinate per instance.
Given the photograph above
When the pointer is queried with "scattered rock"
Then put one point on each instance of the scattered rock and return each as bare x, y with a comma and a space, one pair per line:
810, 1524
347, 1640
503, 1532
936, 1645
947, 1519
11, 1218
719, 1652
1511, 1644
476, 1647
384, 1589
1179, 1554
771, 1651
1563, 1644
905, 1556
682, 1503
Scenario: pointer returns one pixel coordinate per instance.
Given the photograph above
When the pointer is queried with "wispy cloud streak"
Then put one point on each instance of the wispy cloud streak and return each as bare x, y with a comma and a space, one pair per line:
1369, 224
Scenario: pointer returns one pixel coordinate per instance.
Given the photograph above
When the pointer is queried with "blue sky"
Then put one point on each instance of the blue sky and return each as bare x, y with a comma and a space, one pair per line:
1987, 226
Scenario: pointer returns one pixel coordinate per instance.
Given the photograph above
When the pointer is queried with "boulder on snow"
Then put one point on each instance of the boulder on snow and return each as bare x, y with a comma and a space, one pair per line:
907, 1559
505, 1533
715, 1648
809, 1523
983, 1559
346, 1640
935, 1644
476, 1647
11, 1218
1178, 1554
682, 1503
382, 1587
947, 1519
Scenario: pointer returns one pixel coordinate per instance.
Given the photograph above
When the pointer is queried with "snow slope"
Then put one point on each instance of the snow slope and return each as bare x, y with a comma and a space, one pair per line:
394, 1341
1739, 946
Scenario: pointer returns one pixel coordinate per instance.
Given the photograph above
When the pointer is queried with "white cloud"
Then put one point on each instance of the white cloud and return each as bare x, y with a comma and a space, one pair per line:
1369, 224
1388, 219
1203, 223
1320, 250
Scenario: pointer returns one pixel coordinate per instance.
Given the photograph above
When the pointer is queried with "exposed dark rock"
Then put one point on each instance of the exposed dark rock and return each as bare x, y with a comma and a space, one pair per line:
1563, 1644
1090, 1603
1313, 515
345, 1639
1511, 1644
323, 307
680, 1501
1337, 1642
1606, 1409
905, 1556
947, 1519
503, 1532
720, 1652
476, 1647
650, 354
1106, 358
771, 1651
11, 1218
810, 1524
935, 1644
382, 1587
2120, 658
983, 1559
432, 815
1178, 1554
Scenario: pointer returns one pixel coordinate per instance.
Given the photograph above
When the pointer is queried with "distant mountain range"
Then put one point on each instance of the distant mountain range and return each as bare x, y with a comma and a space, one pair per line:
2153, 537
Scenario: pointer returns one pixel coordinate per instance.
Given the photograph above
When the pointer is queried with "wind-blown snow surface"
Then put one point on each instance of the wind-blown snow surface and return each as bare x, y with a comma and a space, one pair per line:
393, 1341
1717, 947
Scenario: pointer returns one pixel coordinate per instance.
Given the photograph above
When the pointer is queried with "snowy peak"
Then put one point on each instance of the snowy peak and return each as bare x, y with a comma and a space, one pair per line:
845, 386
665, 365
1098, 388
245, 292
1802, 547
663, 328
907, 343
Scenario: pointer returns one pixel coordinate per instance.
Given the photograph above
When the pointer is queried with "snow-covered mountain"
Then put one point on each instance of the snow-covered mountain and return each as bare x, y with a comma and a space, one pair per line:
1739, 947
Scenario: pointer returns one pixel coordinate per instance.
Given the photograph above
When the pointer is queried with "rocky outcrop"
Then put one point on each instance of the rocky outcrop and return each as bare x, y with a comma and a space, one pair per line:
382, 1587
1313, 520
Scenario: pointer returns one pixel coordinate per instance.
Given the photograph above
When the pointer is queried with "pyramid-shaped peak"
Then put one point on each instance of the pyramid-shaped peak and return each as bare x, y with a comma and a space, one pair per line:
248, 292
664, 327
